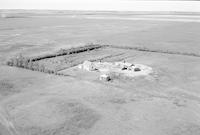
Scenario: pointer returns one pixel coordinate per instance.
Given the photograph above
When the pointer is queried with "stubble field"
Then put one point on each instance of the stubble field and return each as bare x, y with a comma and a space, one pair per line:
164, 103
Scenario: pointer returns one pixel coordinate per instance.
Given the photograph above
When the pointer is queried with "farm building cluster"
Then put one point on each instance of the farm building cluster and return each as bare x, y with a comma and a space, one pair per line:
108, 69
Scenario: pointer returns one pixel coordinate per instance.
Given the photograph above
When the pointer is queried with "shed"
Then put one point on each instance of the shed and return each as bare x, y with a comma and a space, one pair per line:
105, 77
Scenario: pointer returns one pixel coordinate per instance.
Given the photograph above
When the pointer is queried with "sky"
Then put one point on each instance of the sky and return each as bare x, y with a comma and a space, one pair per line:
116, 5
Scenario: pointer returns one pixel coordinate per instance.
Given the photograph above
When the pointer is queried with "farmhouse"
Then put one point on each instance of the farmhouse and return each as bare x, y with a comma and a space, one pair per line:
87, 65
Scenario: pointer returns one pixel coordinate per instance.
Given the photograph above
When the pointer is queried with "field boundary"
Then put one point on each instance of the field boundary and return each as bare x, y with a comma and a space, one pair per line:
144, 49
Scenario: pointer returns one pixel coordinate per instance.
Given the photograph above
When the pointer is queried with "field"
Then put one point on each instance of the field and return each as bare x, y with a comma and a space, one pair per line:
166, 102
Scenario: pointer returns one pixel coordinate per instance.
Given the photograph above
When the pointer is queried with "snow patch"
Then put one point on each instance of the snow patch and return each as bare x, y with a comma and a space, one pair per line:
124, 68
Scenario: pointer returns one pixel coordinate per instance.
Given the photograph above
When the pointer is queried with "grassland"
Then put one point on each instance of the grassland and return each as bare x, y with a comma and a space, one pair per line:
37, 103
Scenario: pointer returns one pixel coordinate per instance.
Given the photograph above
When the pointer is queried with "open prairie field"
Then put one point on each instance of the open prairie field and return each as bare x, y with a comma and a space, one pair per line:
70, 101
